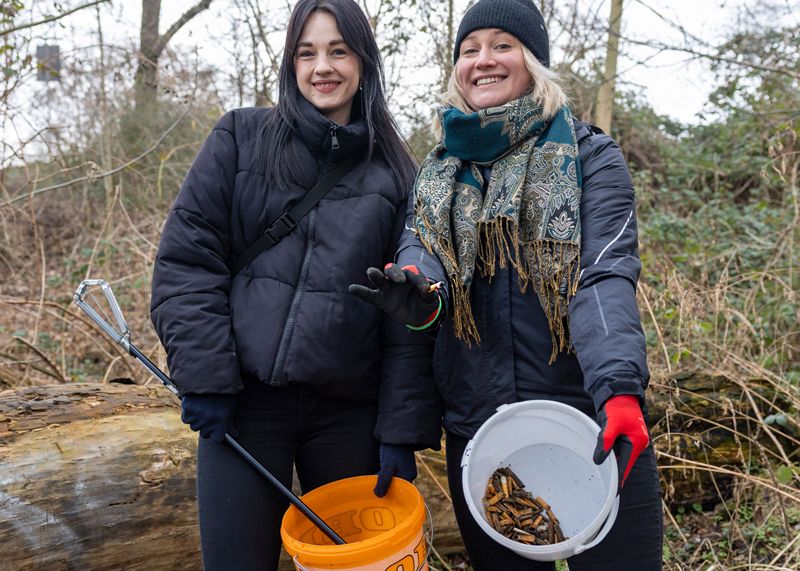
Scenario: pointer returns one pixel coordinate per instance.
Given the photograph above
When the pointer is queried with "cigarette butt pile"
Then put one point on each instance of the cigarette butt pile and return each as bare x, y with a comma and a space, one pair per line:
517, 514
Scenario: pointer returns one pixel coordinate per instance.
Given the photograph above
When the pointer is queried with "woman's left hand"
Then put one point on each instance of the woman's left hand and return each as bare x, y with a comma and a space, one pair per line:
396, 460
622, 429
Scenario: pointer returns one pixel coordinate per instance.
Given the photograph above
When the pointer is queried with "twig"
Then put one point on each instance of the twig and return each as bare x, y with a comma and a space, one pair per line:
674, 523
107, 173
108, 369
109, 212
785, 549
91, 326
440, 558
657, 328
434, 478
47, 19
713, 57
699, 466
43, 357
14, 362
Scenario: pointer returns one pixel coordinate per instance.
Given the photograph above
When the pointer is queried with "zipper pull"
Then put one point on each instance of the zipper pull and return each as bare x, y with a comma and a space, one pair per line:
334, 140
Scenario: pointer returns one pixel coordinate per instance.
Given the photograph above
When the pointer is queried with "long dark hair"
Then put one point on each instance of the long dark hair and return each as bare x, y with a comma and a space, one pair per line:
280, 159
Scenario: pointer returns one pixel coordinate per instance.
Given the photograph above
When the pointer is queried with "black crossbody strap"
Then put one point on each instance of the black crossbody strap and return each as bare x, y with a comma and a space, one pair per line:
286, 222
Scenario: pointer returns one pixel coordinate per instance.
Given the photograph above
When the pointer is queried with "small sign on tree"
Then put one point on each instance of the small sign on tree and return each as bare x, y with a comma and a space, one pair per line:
48, 63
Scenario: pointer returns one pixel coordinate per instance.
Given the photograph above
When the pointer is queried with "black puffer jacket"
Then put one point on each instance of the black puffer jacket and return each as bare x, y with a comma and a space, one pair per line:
287, 317
511, 363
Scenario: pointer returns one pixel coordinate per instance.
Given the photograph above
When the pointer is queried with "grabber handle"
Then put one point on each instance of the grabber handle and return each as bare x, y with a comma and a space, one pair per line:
122, 336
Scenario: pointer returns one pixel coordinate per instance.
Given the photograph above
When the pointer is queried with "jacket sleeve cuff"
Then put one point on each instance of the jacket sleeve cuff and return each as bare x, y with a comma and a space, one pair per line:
421, 438
615, 385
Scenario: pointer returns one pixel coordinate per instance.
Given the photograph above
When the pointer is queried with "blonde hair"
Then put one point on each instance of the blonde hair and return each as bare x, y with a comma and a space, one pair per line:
545, 90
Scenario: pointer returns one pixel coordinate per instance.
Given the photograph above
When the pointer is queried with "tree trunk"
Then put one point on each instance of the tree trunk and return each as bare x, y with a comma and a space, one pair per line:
151, 46
145, 82
103, 476
605, 96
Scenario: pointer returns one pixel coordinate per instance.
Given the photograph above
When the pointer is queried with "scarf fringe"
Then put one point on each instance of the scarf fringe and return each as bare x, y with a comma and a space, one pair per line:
543, 264
463, 319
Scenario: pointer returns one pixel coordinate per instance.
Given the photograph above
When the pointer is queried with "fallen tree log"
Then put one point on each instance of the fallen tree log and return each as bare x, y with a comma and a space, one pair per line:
703, 421
96, 477
103, 477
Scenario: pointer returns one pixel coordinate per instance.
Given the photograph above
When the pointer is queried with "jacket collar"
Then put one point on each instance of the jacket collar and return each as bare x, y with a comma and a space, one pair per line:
319, 133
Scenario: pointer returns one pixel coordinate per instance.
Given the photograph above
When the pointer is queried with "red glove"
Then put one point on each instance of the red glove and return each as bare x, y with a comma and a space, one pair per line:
622, 429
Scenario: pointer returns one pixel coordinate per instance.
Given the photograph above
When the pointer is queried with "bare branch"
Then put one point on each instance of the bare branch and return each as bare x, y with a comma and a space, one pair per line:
105, 174
52, 18
714, 57
164, 38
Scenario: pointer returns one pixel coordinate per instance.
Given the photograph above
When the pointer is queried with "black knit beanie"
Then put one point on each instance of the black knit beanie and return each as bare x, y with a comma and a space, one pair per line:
521, 18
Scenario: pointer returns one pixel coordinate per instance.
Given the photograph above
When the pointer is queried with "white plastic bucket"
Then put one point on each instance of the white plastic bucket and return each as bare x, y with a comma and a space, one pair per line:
549, 445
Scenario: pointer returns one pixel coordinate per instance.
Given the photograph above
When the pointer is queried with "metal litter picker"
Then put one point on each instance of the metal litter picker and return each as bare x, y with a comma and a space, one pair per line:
120, 333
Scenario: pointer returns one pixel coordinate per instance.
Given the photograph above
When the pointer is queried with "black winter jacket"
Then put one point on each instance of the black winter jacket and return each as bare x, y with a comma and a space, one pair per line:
287, 317
511, 363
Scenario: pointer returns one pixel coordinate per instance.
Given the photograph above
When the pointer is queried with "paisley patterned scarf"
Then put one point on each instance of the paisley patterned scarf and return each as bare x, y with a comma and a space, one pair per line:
529, 215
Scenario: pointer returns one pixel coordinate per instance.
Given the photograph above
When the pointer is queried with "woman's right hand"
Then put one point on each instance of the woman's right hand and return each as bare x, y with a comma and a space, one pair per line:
405, 294
209, 414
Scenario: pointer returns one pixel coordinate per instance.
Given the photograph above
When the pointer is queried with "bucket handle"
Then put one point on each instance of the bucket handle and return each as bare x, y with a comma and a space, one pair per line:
609, 523
429, 537
467, 452
297, 564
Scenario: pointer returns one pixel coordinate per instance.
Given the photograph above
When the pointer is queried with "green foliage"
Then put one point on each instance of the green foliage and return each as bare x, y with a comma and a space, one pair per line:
716, 537
8, 10
13, 59
718, 207
421, 142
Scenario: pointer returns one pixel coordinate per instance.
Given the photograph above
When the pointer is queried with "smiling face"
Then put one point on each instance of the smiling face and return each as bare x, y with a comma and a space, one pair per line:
490, 70
328, 72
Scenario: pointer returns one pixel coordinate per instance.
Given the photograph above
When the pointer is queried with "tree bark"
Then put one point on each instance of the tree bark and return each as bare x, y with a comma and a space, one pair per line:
145, 84
103, 477
605, 95
151, 46
96, 477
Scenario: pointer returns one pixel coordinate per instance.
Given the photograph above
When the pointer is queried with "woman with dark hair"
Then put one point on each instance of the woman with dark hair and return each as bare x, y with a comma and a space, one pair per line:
274, 349
526, 216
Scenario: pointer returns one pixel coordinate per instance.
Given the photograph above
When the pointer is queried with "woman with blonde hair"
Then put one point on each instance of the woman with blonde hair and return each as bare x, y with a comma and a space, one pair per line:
526, 218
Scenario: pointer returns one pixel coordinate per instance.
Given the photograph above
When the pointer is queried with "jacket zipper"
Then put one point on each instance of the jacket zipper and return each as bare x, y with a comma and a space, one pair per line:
334, 138
288, 328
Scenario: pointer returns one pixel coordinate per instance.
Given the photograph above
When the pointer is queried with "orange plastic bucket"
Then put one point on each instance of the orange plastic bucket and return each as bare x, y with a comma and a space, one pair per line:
382, 534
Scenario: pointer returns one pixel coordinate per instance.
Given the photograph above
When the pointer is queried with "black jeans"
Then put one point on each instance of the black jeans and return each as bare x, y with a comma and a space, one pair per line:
240, 511
633, 544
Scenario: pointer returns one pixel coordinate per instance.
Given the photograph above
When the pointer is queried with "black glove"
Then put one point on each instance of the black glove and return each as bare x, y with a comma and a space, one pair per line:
211, 415
396, 460
403, 293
